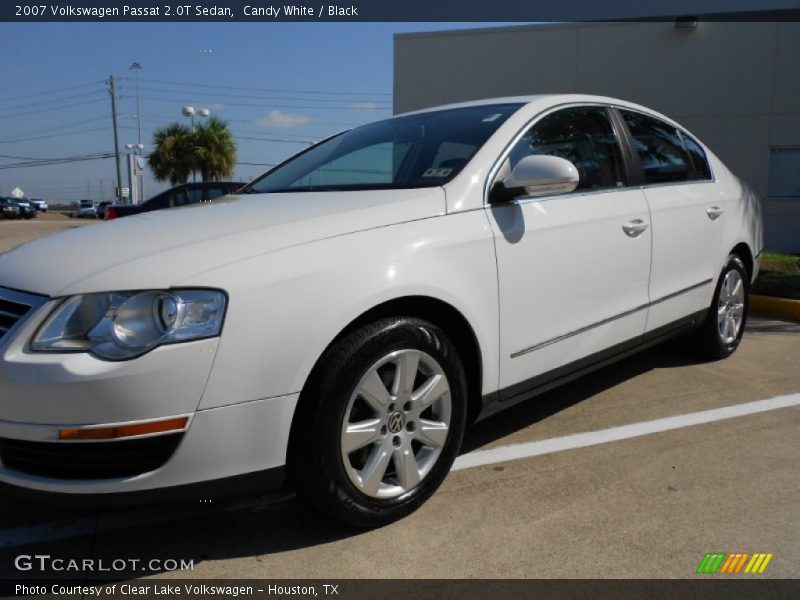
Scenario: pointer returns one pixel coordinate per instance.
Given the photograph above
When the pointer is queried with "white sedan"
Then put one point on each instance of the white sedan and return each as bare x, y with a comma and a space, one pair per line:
335, 326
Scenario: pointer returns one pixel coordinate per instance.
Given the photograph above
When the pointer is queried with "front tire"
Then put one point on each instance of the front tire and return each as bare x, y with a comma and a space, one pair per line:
380, 422
720, 334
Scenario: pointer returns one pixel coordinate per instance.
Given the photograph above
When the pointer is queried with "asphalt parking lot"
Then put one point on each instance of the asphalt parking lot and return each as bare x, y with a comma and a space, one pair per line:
14, 232
664, 473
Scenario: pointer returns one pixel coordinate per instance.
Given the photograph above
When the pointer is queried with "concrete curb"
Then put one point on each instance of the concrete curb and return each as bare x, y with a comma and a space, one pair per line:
775, 307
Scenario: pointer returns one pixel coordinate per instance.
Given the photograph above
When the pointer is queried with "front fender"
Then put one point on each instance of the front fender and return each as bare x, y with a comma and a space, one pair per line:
287, 306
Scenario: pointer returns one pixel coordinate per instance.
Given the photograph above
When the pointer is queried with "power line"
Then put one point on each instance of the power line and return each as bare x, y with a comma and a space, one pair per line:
259, 89
52, 91
51, 100
265, 139
164, 120
41, 163
64, 126
34, 112
55, 135
265, 98
171, 118
39, 157
272, 105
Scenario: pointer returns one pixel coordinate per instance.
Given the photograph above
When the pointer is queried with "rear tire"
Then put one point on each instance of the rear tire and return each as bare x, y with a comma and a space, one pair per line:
721, 332
379, 423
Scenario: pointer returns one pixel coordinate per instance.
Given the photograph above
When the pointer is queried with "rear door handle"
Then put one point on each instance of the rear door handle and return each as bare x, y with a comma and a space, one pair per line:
713, 212
634, 227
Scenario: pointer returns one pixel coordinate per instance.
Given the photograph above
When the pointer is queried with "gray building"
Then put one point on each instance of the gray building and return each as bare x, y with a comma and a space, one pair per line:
735, 84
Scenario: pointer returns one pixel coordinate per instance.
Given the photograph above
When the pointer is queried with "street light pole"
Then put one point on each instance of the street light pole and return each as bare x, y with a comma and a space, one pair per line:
133, 177
136, 67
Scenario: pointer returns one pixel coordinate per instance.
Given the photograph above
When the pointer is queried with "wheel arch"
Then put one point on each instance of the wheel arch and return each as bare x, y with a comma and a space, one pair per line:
742, 250
438, 312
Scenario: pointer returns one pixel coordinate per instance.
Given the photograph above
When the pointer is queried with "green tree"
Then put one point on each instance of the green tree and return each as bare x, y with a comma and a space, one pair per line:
215, 150
179, 152
174, 156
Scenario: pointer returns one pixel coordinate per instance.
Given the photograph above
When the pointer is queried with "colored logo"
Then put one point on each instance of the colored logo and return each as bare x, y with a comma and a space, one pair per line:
734, 563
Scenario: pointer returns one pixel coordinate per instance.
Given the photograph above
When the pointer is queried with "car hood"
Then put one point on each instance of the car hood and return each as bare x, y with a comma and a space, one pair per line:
160, 249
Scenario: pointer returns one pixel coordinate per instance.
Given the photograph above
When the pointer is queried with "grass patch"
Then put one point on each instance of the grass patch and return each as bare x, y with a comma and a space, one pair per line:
775, 261
779, 276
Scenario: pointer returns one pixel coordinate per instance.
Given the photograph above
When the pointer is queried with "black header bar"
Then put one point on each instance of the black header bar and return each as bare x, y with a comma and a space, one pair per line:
393, 10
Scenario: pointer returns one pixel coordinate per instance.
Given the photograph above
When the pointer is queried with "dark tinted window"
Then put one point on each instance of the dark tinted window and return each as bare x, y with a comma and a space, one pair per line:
421, 150
160, 201
701, 169
204, 193
585, 137
661, 149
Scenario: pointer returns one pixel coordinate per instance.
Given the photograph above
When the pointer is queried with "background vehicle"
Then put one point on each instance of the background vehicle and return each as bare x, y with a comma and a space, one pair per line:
101, 209
9, 209
338, 323
38, 204
86, 209
181, 195
26, 209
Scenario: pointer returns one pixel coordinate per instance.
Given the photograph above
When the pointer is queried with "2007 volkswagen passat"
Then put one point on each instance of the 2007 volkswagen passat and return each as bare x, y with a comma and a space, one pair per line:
336, 325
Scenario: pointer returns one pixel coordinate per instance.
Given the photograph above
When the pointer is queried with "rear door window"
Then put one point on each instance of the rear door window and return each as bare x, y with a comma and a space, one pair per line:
660, 147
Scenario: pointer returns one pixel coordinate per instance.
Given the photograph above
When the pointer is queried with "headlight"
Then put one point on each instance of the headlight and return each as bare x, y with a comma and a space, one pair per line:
122, 325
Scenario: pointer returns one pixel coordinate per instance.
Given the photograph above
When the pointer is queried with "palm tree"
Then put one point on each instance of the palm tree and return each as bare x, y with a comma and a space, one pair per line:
216, 150
174, 158
179, 152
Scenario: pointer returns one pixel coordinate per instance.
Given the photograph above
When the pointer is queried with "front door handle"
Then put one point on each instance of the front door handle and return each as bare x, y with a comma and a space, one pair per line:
634, 228
713, 212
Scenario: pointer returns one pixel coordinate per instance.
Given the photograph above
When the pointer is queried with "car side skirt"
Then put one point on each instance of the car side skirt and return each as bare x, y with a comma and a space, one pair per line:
525, 390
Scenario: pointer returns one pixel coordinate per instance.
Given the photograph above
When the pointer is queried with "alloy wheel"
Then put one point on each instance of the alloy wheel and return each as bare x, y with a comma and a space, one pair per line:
730, 308
396, 424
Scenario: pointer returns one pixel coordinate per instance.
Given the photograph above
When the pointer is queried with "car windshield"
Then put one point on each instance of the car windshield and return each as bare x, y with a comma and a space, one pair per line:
420, 150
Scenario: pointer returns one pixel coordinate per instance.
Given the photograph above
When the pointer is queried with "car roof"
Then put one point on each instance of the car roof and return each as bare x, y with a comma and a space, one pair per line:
553, 99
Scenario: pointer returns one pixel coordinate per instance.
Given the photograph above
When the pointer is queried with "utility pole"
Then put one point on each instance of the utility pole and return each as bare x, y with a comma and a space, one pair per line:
113, 91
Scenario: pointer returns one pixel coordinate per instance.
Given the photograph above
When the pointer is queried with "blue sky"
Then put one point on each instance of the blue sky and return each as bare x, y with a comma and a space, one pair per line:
331, 76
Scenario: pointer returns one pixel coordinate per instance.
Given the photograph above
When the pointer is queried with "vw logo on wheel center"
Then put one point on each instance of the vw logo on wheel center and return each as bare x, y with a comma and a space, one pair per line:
396, 422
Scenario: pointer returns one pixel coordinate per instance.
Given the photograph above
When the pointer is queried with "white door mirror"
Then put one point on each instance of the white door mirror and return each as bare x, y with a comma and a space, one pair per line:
541, 174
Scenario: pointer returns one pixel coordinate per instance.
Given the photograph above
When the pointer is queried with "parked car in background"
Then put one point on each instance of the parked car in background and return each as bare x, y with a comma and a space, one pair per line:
86, 209
101, 209
9, 209
26, 209
336, 325
181, 195
39, 204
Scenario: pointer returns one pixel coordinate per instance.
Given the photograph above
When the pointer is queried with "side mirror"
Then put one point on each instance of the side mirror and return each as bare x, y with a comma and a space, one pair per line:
540, 175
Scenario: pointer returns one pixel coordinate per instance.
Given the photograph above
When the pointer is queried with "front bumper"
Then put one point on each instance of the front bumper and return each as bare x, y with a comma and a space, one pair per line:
43, 393
219, 443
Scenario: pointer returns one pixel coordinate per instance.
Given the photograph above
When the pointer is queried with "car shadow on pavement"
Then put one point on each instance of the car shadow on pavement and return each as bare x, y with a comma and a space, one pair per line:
763, 325
671, 354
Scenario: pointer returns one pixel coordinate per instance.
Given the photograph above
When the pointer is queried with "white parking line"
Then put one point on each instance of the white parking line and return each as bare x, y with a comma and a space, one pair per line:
592, 438
18, 536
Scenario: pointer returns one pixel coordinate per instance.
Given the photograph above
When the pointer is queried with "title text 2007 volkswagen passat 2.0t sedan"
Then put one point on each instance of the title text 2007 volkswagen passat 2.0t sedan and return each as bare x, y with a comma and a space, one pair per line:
336, 325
